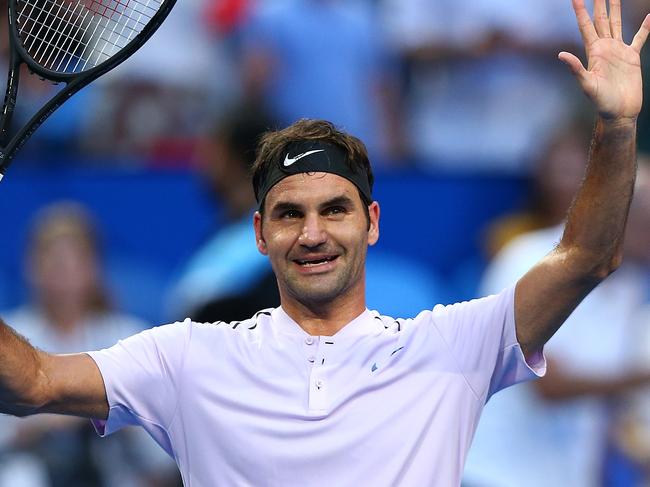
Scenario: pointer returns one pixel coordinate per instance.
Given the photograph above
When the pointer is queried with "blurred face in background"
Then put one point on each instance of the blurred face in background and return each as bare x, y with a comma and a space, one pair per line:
216, 164
560, 173
225, 172
63, 268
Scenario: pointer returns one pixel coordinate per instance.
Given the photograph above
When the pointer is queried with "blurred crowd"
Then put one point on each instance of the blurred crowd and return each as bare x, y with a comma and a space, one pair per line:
450, 85
69, 310
443, 86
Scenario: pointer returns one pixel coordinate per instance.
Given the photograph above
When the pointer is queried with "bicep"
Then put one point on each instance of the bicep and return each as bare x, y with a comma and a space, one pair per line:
545, 297
73, 386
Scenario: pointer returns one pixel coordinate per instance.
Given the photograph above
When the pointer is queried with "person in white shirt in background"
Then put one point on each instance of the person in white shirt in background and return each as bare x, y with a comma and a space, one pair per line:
69, 308
555, 431
483, 88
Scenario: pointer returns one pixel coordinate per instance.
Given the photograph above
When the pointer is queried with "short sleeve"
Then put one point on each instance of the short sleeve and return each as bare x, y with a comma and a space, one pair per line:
142, 376
481, 335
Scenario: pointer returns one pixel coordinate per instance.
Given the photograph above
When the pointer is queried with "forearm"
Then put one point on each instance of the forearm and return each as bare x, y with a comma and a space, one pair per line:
591, 246
20, 373
593, 236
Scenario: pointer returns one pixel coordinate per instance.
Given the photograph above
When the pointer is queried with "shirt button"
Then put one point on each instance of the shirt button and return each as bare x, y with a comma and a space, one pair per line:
309, 340
319, 384
312, 359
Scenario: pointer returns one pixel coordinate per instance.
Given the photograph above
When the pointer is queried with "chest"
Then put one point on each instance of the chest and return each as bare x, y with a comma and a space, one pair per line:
280, 411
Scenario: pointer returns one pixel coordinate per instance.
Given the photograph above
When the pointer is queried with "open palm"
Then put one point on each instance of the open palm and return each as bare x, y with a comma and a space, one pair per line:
612, 79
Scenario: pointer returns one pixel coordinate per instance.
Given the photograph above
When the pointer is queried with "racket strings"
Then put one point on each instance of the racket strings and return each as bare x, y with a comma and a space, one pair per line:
69, 24
115, 25
61, 34
72, 36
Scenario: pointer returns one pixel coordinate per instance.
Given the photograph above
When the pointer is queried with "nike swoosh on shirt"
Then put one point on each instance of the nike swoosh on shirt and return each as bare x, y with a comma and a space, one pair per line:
290, 160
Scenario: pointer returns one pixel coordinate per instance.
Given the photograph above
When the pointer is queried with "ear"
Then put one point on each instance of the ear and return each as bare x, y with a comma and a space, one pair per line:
373, 231
259, 239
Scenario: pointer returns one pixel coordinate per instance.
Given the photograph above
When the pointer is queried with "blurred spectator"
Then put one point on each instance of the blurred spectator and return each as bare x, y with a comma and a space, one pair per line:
158, 102
555, 432
630, 433
554, 180
226, 16
227, 278
485, 87
70, 310
324, 59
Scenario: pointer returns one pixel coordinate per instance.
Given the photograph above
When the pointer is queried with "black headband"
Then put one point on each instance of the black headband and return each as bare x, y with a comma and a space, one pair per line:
310, 156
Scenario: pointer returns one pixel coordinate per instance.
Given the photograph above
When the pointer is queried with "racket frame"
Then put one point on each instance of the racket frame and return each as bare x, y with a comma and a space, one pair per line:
73, 81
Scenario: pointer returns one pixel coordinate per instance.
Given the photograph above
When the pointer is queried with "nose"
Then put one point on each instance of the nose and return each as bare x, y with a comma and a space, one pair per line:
313, 232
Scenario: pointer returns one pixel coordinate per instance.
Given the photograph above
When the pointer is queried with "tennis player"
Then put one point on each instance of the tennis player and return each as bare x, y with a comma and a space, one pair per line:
321, 391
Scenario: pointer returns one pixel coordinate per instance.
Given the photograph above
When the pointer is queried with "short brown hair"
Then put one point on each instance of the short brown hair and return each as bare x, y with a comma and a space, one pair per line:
274, 144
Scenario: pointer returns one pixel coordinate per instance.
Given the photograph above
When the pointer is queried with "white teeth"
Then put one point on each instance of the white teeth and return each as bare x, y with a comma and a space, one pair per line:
311, 263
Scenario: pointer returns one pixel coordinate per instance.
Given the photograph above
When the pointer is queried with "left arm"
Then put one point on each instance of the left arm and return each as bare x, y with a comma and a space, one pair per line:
591, 247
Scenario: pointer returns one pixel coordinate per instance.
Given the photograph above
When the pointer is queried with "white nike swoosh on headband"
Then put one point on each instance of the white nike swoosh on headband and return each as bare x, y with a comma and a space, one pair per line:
290, 160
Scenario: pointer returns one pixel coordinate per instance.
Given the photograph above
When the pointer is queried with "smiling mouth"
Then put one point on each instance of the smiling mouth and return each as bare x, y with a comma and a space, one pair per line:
315, 262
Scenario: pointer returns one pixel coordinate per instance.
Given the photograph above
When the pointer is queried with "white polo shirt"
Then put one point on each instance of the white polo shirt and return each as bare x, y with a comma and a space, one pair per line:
383, 402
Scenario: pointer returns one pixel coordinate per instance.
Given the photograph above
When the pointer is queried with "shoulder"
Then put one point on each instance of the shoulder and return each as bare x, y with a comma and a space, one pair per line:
247, 323
178, 336
240, 329
440, 311
466, 315
424, 317
389, 325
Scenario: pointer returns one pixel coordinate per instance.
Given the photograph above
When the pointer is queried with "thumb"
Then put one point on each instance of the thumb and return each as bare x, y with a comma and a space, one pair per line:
578, 70
574, 64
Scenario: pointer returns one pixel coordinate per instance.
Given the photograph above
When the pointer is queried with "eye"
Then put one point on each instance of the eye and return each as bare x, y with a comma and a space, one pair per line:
335, 210
290, 214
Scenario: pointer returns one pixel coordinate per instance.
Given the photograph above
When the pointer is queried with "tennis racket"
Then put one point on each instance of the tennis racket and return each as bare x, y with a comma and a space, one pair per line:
72, 42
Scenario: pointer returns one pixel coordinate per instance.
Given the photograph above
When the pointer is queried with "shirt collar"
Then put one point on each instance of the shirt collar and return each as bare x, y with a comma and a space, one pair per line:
364, 324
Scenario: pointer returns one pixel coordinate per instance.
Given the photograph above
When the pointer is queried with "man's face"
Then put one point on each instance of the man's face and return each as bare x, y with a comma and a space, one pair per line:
316, 234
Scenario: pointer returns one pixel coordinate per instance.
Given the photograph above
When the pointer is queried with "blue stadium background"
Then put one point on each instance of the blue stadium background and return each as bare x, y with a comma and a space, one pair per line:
151, 221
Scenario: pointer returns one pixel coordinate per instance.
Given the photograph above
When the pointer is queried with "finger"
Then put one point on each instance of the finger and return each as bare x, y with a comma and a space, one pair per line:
578, 70
601, 19
587, 29
615, 23
642, 35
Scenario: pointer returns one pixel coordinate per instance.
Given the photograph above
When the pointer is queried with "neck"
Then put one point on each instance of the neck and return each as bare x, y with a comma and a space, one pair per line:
323, 319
